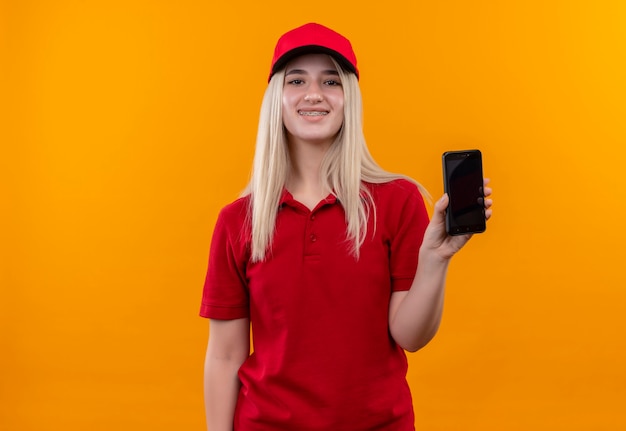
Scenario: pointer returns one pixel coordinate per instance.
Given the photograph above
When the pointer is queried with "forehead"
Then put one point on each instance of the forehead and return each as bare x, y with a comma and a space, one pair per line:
311, 61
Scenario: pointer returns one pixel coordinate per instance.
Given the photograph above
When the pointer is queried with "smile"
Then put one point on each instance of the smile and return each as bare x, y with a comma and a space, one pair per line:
313, 113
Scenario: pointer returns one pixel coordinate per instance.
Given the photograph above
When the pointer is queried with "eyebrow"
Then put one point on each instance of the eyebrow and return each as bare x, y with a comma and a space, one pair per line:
304, 72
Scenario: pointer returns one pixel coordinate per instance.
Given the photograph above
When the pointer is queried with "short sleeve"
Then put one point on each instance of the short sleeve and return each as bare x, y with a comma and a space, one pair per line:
409, 222
225, 293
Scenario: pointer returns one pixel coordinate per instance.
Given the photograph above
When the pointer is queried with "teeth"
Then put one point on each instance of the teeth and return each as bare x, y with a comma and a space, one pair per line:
312, 113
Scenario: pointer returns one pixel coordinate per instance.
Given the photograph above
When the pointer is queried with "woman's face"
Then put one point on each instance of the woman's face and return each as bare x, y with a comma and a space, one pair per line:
312, 100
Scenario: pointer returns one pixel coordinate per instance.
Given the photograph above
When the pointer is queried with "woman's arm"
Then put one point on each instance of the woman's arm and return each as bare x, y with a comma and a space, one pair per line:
415, 315
229, 347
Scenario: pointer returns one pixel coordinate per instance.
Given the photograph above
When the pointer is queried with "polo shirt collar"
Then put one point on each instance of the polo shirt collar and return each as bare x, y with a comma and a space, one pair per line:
286, 198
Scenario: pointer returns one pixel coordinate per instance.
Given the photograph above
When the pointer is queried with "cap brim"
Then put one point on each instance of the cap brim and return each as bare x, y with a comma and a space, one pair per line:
312, 49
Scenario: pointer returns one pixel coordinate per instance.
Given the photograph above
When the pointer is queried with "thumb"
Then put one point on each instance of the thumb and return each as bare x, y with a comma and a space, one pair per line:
439, 211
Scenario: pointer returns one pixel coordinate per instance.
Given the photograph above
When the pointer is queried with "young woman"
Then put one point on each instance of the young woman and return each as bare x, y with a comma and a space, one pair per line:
330, 262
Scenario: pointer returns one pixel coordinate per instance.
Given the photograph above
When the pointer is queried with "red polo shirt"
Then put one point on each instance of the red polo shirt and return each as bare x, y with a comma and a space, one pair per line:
323, 356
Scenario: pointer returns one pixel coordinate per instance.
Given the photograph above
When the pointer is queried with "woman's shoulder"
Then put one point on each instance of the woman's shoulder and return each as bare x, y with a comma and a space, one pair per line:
236, 211
396, 188
399, 201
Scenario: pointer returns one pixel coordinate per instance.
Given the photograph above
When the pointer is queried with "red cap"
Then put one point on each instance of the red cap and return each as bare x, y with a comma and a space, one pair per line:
313, 38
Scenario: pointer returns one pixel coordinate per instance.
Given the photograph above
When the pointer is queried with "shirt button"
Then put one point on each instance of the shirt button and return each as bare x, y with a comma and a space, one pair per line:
313, 238
312, 217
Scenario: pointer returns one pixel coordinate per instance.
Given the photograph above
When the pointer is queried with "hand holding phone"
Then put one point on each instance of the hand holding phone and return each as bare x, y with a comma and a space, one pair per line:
463, 182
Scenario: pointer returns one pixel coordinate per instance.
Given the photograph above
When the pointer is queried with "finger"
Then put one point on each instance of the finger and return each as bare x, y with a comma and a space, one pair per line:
486, 181
488, 203
488, 214
487, 191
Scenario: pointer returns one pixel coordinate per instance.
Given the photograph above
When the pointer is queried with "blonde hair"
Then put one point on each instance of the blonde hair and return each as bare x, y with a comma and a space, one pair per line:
346, 167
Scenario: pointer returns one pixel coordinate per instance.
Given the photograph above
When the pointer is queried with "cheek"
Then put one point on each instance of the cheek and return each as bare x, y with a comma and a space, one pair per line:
290, 98
289, 104
285, 109
339, 107
338, 103
288, 118
285, 100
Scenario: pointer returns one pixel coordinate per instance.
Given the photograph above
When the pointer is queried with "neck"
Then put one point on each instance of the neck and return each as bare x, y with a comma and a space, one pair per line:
304, 181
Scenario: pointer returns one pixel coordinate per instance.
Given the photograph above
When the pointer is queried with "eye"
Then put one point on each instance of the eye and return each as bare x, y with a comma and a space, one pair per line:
295, 82
332, 82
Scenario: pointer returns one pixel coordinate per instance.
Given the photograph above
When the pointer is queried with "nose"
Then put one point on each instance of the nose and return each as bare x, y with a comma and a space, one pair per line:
313, 97
313, 94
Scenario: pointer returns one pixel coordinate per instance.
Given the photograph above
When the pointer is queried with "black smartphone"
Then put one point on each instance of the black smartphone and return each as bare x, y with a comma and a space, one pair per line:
463, 182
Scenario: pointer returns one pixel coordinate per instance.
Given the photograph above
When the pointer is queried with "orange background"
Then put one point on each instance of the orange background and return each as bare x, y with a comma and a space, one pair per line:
126, 125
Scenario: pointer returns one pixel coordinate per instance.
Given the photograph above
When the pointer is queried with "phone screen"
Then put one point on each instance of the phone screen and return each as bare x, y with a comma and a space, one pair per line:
463, 182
